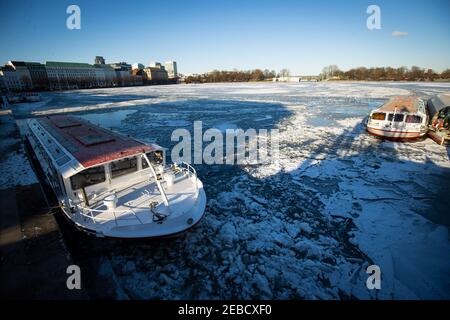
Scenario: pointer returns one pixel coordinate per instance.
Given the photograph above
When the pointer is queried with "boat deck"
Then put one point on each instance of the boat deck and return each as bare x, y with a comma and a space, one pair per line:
133, 203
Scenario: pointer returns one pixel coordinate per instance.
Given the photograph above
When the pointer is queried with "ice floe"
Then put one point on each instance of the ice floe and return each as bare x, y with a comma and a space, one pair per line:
304, 226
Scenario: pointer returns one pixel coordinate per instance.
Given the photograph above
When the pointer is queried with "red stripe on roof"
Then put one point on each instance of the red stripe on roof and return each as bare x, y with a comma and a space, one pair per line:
91, 145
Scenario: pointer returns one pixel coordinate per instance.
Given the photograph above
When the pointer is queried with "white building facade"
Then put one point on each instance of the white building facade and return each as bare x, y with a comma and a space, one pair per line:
71, 75
171, 68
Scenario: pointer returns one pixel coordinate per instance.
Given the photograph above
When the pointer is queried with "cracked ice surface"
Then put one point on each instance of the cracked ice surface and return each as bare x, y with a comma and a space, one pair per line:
305, 226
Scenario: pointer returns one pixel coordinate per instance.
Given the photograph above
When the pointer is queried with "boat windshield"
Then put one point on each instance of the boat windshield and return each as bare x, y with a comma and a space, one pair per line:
378, 116
155, 157
123, 166
398, 117
413, 119
88, 177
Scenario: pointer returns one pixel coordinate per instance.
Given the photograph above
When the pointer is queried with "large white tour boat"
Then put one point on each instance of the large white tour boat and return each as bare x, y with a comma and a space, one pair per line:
112, 185
401, 118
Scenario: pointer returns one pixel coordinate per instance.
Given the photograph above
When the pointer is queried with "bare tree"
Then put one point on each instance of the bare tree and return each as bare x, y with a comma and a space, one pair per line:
285, 72
330, 71
445, 74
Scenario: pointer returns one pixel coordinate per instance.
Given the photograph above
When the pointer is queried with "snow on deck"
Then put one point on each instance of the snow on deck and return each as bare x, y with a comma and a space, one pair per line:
133, 203
306, 226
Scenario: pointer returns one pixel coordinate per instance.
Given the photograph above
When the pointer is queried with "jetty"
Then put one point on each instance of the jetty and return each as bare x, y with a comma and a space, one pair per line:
33, 255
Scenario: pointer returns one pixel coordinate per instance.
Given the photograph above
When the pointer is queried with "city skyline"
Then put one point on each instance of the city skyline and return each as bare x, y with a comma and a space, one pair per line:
17, 76
202, 36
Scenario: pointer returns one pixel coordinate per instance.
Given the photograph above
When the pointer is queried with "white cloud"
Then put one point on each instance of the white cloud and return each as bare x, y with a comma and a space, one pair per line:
399, 34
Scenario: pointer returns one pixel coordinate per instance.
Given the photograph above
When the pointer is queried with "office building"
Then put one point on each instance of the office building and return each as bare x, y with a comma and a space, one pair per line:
137, 66
10, 79
171, 68
156, 73
70, 75
121, 66
23, 73
99, 60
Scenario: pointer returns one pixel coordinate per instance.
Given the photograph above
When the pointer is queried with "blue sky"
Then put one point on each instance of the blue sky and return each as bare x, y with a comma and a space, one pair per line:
204, 35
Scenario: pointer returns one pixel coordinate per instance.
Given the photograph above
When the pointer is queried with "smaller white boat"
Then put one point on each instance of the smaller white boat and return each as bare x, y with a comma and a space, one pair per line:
401, 118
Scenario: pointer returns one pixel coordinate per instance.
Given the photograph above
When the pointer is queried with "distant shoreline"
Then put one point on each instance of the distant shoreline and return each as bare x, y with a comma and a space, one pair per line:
327, 81
249, 82
395, 81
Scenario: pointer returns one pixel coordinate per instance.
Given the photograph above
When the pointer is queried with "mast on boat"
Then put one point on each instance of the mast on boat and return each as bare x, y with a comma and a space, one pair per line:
160, 187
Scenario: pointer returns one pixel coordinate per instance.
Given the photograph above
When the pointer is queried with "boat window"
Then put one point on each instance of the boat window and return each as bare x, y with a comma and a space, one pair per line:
413, 119
155, 157
123, 166
398, 117
88, 177
378, 116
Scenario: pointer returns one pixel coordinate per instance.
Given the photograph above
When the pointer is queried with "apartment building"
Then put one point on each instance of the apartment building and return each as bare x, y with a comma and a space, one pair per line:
99, 60
53, 75
156, 73
10, 79
171, 68
38, 75
71, 75
22, 73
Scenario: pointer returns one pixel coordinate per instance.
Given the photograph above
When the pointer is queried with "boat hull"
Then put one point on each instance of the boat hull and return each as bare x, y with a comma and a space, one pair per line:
436, 137
396, 135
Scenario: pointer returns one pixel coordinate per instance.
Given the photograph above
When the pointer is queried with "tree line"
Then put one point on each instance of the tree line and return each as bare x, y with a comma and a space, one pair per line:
232, 76
384, 74
331, 72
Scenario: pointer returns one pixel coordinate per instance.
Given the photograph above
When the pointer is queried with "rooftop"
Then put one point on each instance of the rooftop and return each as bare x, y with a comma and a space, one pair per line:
438, 103
445, 98
103, 66
89, 144
17, 63
401, 104
68, 64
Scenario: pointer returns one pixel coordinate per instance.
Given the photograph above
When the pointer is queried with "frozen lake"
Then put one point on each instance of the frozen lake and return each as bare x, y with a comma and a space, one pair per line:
306, 226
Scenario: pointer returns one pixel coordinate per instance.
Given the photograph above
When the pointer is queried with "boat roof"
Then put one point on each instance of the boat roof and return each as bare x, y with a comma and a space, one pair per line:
401, 104
89, 144
439, 102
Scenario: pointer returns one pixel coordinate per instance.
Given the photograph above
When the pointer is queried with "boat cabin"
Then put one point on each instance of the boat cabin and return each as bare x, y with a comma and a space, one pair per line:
401, 117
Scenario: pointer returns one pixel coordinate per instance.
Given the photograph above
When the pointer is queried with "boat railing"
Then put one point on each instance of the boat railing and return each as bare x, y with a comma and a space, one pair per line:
192, 173
92, 213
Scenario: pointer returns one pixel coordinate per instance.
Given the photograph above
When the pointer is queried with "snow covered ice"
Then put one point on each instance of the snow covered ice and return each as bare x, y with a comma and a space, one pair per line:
305, 226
